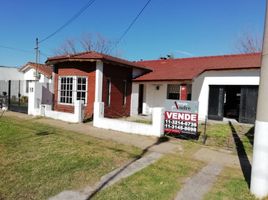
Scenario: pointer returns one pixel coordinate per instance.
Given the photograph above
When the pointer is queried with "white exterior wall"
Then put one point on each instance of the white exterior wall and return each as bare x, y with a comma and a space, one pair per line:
37, 107
155, 129
200, 85
30, 75
152, 96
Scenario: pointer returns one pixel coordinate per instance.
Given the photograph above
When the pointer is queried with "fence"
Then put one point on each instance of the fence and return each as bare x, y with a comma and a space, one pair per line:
14, 95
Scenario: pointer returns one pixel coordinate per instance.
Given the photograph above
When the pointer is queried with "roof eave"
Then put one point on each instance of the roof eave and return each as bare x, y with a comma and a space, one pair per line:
62, 60
161, 80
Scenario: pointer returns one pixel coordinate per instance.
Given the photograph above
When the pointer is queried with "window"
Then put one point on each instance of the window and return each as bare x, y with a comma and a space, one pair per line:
66, 90
173, 91
72, 87
108, 89
124, 92
81, 89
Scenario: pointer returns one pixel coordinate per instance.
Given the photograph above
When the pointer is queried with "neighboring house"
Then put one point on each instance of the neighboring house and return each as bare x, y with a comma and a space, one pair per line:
224, 86
20, 77
36, 72
94, 77
14, 84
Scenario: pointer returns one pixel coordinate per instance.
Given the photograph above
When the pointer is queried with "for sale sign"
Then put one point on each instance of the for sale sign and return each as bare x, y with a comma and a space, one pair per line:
181, 117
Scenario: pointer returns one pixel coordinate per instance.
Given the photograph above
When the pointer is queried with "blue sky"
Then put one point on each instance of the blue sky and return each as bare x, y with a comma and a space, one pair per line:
180, 27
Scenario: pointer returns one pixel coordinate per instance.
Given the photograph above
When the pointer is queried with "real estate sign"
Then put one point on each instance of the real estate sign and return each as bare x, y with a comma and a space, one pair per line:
181, 117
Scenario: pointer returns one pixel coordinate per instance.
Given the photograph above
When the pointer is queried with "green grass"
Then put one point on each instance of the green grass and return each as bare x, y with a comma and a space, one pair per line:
230, 185
161, 180
38, 161
220, 135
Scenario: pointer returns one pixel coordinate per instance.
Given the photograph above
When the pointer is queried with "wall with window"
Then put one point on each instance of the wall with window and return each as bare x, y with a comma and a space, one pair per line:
74, 81
117, 83
155, 94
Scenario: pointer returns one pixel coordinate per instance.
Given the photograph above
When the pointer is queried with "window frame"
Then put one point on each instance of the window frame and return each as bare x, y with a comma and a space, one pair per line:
74, 89
86, 91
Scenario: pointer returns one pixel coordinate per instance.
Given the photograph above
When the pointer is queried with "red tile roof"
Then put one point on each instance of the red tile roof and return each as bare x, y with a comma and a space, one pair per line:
188, 68
41, 68
91, 56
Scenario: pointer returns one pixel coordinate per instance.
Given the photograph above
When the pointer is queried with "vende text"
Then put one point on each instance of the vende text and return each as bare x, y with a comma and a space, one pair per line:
181, 116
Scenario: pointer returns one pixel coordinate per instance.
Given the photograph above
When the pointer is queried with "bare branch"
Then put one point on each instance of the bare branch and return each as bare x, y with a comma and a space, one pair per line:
86, 42
102, 44
68, 47
249, 43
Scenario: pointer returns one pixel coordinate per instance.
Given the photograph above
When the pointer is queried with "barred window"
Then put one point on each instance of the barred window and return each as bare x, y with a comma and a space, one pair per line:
66, 90
173, 91
81, 89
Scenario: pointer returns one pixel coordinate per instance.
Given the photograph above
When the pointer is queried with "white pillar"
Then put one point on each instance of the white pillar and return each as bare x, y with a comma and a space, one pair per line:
79, 110
34, 98
259, 172
158, 121
98, 113
98, 81
134, 99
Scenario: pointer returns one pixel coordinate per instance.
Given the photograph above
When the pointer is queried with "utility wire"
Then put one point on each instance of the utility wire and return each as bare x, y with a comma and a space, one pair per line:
132, 23
89, 3
15, 49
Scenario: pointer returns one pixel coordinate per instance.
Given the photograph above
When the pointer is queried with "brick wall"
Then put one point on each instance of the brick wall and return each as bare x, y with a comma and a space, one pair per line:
76, 69
117, 74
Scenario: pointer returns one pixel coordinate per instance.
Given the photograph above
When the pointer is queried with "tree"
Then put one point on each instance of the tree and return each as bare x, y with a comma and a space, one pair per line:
249, 43
68, 47
86, 43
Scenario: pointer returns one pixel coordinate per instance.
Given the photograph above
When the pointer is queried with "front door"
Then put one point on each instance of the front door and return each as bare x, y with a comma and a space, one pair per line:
248, 104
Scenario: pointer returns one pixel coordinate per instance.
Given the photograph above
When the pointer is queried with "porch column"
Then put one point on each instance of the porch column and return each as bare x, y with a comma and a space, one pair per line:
98, 81
259, 172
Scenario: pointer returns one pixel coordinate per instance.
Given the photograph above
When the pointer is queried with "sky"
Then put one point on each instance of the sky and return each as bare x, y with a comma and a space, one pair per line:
183, 28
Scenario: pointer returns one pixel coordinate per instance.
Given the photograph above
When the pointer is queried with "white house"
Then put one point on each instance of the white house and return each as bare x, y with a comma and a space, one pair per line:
36, 72
20, 77
14, 83
224, 86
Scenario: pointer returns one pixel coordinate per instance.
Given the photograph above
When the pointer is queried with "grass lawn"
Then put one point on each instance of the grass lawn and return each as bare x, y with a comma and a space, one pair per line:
38, 161
230, 185
161, 180
220, 135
